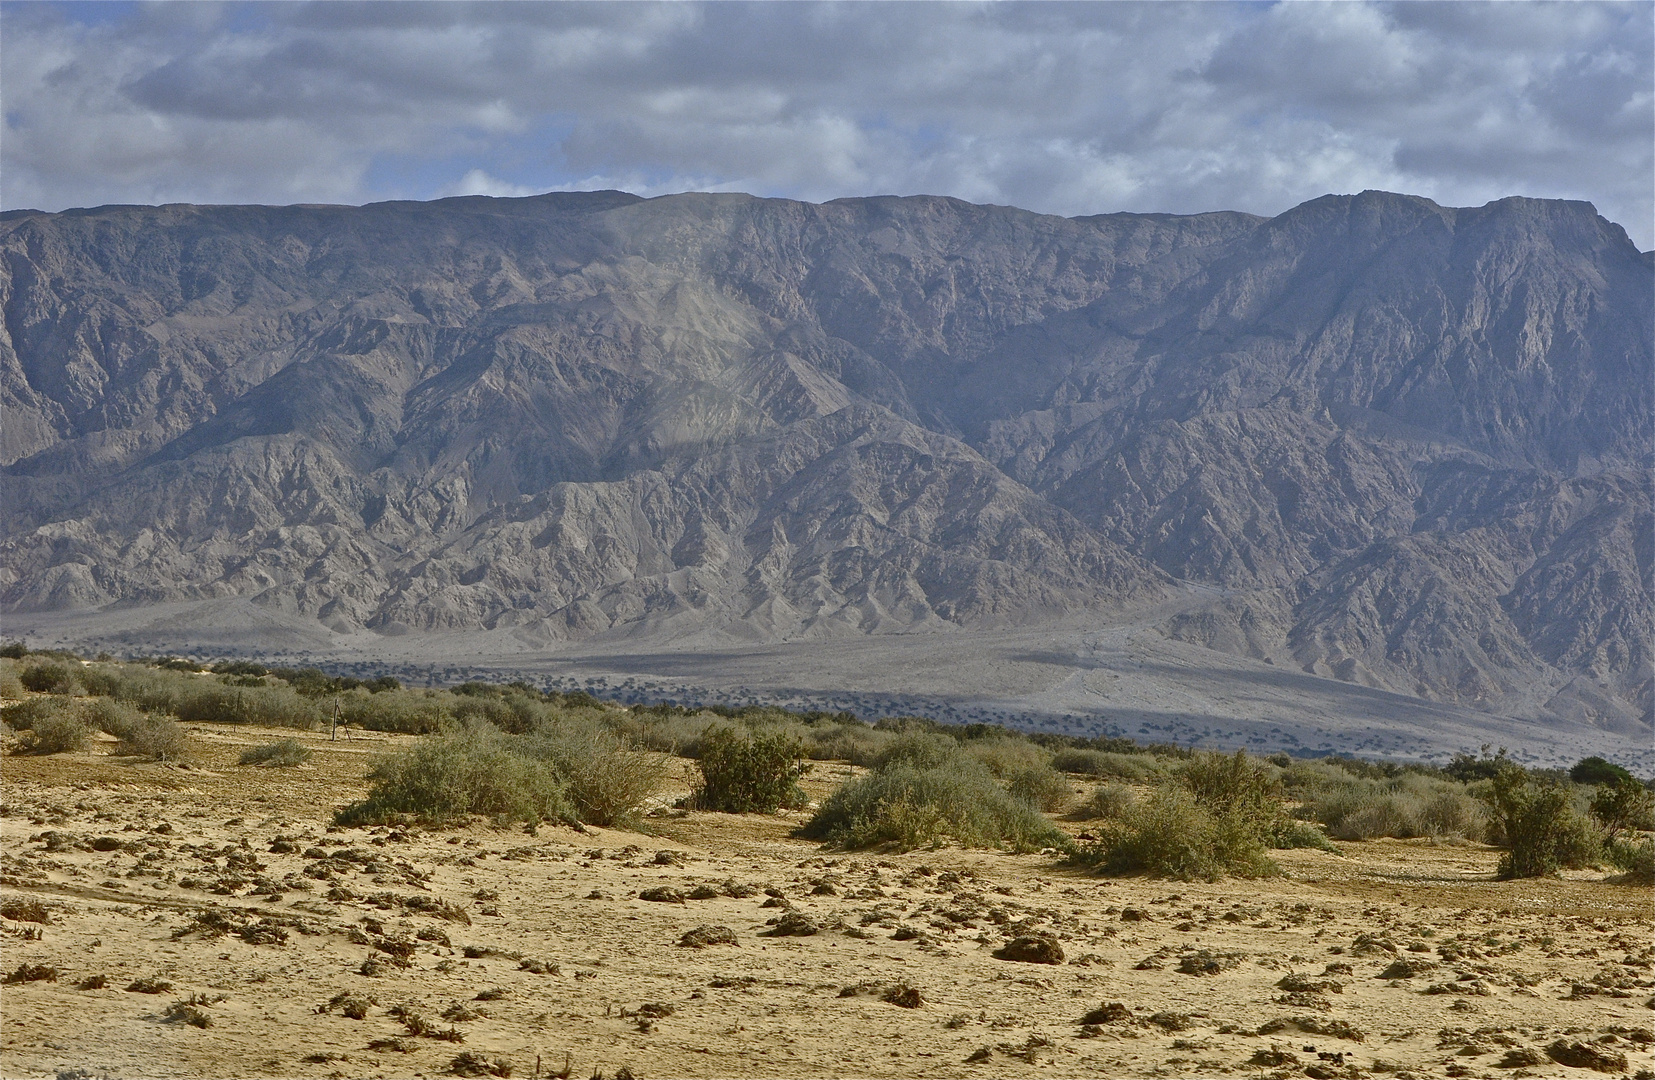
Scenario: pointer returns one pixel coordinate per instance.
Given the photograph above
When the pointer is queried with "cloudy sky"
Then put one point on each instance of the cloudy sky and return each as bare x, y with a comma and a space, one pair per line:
1069, 109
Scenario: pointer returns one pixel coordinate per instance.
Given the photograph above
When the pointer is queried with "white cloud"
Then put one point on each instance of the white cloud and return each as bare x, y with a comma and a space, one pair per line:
478, 182
1068, 109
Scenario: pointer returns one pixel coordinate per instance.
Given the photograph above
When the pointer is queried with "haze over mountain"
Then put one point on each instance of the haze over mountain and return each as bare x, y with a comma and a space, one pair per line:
1378, 439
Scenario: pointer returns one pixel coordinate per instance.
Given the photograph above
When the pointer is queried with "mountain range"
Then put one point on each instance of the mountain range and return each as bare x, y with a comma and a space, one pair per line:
1373, 438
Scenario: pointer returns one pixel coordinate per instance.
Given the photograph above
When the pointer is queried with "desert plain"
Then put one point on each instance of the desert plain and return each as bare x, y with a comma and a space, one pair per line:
207, 919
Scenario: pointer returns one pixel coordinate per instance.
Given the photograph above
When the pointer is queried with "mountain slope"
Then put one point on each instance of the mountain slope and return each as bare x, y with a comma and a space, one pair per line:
1407, 444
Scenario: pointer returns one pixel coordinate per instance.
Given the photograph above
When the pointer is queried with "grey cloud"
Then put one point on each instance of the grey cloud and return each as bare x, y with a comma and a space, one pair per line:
1073, 109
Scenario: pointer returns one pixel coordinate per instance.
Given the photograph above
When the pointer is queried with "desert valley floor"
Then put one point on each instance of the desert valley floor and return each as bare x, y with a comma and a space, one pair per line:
218, 894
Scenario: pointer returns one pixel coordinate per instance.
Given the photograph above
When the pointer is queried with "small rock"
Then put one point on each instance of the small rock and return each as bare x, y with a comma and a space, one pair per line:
792, 924
1208, 963
703, 936
1579, 1055
1112, 1013
1031, 949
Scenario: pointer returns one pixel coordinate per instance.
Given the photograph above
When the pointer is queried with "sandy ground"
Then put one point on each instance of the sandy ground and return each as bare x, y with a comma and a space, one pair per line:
1114, 675
228, 884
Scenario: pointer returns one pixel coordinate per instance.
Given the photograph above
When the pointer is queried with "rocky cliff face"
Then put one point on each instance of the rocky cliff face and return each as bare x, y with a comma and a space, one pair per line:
1402, 444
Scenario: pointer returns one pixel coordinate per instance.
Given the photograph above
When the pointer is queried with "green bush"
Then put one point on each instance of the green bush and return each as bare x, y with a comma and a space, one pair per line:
907, 807
112, 717
607, 777
472, 770
1595, 770
1377, 814
1104, 763
1539, 826
1452, 812
857, 743
1235, 786
1008, 758
408, 712
11, 687
1301, 834
151, 689
1041, 786
50, 730
283, 753
749, 774
512, 710
99, 680
1636, 859
917, 750
25, 713
1407, 804
153, 736
1172, 835
670, 732
1623, 804
1467, 769
1109, 802
210, 701
1216, 817
51, 677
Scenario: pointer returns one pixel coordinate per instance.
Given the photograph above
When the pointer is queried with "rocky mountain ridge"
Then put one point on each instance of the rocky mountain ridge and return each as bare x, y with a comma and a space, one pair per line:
1393, 443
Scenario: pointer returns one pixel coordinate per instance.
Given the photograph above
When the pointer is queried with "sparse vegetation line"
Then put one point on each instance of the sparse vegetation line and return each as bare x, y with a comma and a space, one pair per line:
513, 752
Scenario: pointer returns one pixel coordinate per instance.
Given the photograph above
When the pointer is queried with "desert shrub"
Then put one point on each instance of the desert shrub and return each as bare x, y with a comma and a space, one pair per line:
1008, 758
511, 711
11, 687
406, 711
1172, 835
1623, 804
1235, 786
13, 650
1406, 804
152, 689
243, 668
671, 733
1215, 817
907, 807
917, 750
25, 713
858, 743
463, 770
1539, 826
112, 717
753, 773
53, 731
1301, 834
266, 706
1041, 786
1467, 769
1109, 802
1595, 770
51, 677
1375, 814
99, 680
606, 776
1452, 812
153, 736
1104, 763
280, 754
1637, 859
